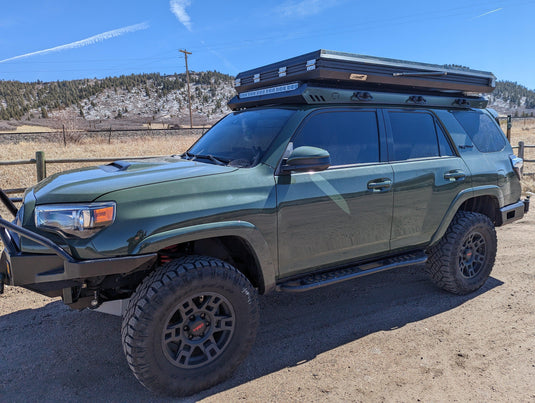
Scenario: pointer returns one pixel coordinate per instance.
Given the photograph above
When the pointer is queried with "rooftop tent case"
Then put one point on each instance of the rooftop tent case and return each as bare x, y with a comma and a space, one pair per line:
339, 69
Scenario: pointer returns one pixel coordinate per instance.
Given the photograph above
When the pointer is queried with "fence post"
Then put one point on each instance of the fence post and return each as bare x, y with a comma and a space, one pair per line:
40, 164
521, 154
109, 137
509, 125
64, 137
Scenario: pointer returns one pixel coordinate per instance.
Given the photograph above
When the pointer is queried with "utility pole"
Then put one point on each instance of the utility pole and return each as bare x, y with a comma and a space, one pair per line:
186, 53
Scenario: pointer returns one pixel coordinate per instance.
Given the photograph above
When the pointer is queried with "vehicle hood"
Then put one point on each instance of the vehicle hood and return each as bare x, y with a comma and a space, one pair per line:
88, 184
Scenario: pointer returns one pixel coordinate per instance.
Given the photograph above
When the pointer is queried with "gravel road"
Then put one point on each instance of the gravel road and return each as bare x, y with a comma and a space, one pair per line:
392, 336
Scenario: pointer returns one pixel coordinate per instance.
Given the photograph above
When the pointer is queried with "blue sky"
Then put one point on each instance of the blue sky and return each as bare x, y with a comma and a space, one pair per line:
70, 39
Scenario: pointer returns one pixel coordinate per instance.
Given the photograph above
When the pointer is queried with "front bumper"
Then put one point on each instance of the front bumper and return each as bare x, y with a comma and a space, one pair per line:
58, 269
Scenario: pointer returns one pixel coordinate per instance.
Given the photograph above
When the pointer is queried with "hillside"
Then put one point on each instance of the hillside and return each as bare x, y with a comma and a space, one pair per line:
145, 98
512, 98
138, 97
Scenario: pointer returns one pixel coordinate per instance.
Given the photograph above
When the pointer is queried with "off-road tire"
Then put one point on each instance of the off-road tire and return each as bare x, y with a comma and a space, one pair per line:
160, 299
462, 260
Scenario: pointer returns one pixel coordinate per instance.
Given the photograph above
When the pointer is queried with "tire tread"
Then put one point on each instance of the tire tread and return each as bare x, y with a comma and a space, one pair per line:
165, 280
439, 264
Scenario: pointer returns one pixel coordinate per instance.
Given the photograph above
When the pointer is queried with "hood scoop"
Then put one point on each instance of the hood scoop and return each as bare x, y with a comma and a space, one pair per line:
116, 166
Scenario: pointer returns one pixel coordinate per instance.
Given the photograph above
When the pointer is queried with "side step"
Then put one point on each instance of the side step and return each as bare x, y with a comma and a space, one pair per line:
317, 280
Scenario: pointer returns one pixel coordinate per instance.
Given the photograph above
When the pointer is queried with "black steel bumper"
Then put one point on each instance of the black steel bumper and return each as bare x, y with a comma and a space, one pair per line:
58, 267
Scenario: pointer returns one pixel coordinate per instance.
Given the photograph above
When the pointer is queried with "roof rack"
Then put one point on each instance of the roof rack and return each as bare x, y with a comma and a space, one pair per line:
339, 69
308, 93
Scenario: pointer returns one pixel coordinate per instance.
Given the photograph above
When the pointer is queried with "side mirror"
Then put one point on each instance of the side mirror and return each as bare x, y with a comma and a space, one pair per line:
304, 159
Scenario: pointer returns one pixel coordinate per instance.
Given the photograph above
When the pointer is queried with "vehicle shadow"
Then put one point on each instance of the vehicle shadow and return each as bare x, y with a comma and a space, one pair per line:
53, 353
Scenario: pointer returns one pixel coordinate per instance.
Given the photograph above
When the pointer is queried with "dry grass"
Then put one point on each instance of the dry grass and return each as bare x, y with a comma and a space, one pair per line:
28, 129
524, 130
25, 175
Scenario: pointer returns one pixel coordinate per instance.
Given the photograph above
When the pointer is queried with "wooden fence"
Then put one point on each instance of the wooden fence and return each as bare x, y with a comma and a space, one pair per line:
68, 136
521, 153
41, 162
109, 134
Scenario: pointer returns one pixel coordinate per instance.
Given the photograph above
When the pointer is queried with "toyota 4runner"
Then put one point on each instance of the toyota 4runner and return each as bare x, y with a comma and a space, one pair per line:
332, 166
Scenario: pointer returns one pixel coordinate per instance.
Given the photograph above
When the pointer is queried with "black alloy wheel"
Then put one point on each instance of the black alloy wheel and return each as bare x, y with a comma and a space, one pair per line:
198, 331
473, 255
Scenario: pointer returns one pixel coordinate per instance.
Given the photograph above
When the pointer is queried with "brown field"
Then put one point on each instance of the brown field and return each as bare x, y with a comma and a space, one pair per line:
18, 176
24, 175
28, 129
87, 147
524, 130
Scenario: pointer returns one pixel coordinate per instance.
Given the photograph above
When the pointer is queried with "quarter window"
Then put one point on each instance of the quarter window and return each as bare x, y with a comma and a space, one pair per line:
481, 129
350, 137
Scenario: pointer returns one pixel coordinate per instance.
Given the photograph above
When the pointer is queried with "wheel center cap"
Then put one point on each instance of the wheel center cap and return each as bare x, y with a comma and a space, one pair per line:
468, 253
198, 328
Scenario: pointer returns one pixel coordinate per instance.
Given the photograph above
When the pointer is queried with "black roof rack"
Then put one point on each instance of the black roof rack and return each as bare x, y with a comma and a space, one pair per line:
339, 69
309, 93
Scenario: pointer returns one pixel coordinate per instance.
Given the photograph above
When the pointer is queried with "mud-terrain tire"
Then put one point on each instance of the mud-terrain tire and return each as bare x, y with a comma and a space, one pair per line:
189, 324
462, 260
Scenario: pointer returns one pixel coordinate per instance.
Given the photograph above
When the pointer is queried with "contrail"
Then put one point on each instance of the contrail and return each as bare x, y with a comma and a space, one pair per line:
84, 42
488, 12
178, 8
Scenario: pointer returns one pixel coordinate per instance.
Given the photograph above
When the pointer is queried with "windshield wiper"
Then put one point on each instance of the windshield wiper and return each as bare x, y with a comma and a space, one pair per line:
217, 160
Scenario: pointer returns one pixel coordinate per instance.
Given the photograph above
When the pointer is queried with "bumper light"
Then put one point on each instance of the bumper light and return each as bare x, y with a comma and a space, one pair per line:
79, 220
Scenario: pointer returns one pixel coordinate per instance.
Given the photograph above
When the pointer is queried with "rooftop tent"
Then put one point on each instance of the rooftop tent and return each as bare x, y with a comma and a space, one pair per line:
354, 70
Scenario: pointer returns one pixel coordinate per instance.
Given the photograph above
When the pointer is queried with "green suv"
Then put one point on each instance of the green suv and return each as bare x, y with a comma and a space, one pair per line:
304, 185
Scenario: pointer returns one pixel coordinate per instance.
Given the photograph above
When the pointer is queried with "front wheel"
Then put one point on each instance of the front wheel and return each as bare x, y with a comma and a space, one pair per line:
462, 260
189, 325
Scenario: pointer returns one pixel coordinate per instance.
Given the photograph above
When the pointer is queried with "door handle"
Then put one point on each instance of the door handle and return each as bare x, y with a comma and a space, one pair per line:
455, 175
380, 184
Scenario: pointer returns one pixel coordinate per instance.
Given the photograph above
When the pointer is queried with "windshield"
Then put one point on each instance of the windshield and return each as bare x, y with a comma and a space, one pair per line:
241, 138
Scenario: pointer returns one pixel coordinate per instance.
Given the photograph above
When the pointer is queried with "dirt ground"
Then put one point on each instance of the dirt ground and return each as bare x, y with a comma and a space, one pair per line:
390, 337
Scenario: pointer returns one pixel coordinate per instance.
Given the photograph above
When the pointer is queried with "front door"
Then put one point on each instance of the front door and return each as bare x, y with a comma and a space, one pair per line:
345, 212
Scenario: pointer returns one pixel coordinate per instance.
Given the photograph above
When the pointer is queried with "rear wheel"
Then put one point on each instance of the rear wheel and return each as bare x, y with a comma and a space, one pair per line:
462, 260
189, 325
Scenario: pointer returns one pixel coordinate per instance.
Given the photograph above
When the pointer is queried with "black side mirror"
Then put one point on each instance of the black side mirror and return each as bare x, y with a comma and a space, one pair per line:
304, 159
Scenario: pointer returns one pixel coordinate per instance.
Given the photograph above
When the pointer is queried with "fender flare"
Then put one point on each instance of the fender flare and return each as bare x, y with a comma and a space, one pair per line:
467, 194
242, 229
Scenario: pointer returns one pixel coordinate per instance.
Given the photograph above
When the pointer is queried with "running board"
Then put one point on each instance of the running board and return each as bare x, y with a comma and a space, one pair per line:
311, 281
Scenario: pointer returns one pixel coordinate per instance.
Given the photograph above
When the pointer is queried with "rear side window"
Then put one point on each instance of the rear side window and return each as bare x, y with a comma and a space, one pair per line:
416, 135
350, 137
482, 130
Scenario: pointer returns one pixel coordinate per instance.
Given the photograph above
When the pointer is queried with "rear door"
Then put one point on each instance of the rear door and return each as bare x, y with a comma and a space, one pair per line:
428, 175
344, 212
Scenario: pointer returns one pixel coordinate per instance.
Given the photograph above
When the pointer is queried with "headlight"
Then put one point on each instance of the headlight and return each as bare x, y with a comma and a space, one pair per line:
80, 220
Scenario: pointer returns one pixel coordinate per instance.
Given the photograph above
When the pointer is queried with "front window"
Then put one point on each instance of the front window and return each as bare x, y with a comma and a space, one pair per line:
350, 137
241, 138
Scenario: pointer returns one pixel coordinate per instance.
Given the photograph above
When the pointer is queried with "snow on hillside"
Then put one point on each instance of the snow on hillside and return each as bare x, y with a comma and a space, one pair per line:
208, 104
